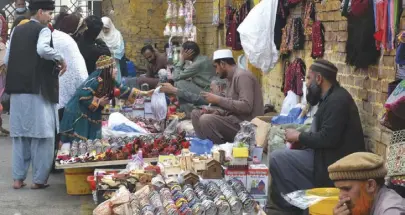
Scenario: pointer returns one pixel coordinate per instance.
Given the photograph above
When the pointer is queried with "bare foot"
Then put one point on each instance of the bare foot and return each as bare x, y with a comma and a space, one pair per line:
39, 186
4, 131
18, 184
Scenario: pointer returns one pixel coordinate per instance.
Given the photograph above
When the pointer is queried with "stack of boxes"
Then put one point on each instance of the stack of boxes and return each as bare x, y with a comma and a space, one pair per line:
255, 177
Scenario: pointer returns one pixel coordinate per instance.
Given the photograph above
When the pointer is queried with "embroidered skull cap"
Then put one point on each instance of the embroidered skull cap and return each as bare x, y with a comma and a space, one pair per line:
104, 61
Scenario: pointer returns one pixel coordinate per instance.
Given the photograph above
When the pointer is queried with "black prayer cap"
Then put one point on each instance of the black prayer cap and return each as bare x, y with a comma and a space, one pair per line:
41, 4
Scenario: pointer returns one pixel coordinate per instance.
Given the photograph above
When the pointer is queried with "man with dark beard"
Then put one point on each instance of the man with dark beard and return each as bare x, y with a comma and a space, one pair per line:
360, 179
243, 101
335, 132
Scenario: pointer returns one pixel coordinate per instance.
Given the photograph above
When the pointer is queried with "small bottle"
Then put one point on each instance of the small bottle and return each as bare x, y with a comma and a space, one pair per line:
255, 160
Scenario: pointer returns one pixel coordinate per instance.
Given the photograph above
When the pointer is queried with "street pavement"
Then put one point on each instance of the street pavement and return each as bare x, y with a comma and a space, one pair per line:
51, 201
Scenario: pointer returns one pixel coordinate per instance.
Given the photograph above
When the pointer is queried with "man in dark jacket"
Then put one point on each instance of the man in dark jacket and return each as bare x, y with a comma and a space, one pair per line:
336, 132
91, 47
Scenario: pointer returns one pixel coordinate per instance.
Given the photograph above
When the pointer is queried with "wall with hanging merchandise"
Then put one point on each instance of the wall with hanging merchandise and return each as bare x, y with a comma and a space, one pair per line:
143, 22
236, 53
367, 86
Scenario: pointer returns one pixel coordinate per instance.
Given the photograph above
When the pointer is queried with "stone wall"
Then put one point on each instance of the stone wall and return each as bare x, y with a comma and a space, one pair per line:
142, 22
368, 86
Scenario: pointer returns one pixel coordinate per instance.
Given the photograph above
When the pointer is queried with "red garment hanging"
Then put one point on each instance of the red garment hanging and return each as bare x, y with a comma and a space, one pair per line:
295, 77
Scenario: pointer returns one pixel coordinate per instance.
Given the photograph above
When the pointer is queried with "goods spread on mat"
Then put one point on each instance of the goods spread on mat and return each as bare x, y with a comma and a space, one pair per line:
168, 196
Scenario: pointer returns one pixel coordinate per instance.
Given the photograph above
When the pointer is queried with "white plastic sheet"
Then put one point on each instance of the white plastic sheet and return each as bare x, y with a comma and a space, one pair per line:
257, 35
290, 101
116, 119
159, 105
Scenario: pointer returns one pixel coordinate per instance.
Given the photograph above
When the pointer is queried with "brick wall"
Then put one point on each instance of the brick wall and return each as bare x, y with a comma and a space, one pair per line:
142, 22
368, 87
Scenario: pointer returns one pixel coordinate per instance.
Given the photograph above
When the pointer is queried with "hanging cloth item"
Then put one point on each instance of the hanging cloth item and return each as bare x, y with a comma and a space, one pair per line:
309, 17
281, 20
359, 7
318, 40
360, 46
293, 3
295, 77
230, 26
234, 18
284, 50
298, 34
286, 64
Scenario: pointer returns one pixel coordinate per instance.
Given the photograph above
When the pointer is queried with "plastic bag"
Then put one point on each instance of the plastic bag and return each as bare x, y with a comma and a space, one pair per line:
290, 101
246, 135
172, 127
293, 117
117, 119
200, 147
301, 199
396, 102
167, 31
169, 13
159, 105
259, 24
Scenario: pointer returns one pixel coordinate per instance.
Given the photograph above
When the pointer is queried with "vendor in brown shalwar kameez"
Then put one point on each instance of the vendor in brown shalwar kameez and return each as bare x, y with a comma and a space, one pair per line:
243, 101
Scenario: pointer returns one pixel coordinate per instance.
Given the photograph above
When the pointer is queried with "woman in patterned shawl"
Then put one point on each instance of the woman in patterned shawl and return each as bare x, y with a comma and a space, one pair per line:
82, 116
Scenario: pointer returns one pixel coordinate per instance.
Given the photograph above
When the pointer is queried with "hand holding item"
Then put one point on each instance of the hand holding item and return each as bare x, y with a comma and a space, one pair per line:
62, 67
292, 135
104, 100
342, 207
210, 97
147, 93
168, 88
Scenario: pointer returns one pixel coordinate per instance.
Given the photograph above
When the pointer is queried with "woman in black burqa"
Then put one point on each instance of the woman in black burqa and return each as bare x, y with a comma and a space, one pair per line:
91, 47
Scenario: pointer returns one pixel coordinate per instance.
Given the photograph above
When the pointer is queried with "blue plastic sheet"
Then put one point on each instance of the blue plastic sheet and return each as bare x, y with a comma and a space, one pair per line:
201, 147
292, 118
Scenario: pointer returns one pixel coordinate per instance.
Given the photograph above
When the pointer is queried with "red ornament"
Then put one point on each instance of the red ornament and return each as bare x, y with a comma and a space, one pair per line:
185, 144
117, 92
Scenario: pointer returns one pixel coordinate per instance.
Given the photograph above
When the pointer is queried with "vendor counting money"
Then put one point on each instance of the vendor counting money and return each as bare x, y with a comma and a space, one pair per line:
243, 101
360, 179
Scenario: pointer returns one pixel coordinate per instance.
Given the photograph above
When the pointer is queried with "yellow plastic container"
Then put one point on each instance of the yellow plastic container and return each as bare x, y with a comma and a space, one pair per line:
240, 152
76, 181
324, 207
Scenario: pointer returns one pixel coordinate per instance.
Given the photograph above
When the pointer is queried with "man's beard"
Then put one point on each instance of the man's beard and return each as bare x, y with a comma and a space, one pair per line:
314, 93
363, 205
223, 75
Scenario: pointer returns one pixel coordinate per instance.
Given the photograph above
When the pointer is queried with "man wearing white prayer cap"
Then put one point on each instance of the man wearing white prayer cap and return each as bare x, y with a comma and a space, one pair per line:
243, 101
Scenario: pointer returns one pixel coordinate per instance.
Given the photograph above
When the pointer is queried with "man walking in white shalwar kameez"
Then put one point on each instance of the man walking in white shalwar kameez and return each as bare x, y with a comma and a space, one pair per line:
32, 82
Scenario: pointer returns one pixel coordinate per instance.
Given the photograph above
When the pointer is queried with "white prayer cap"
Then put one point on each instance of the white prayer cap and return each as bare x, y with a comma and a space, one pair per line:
223, 53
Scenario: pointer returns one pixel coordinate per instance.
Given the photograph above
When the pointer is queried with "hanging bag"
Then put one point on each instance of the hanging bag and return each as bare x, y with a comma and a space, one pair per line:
257, 35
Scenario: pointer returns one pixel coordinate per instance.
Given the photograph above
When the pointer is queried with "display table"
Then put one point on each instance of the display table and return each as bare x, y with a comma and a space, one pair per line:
98, 163
76, 174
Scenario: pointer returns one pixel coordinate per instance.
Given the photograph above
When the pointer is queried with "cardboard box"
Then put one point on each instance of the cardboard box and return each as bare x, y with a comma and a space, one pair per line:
258, 180
237, 174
